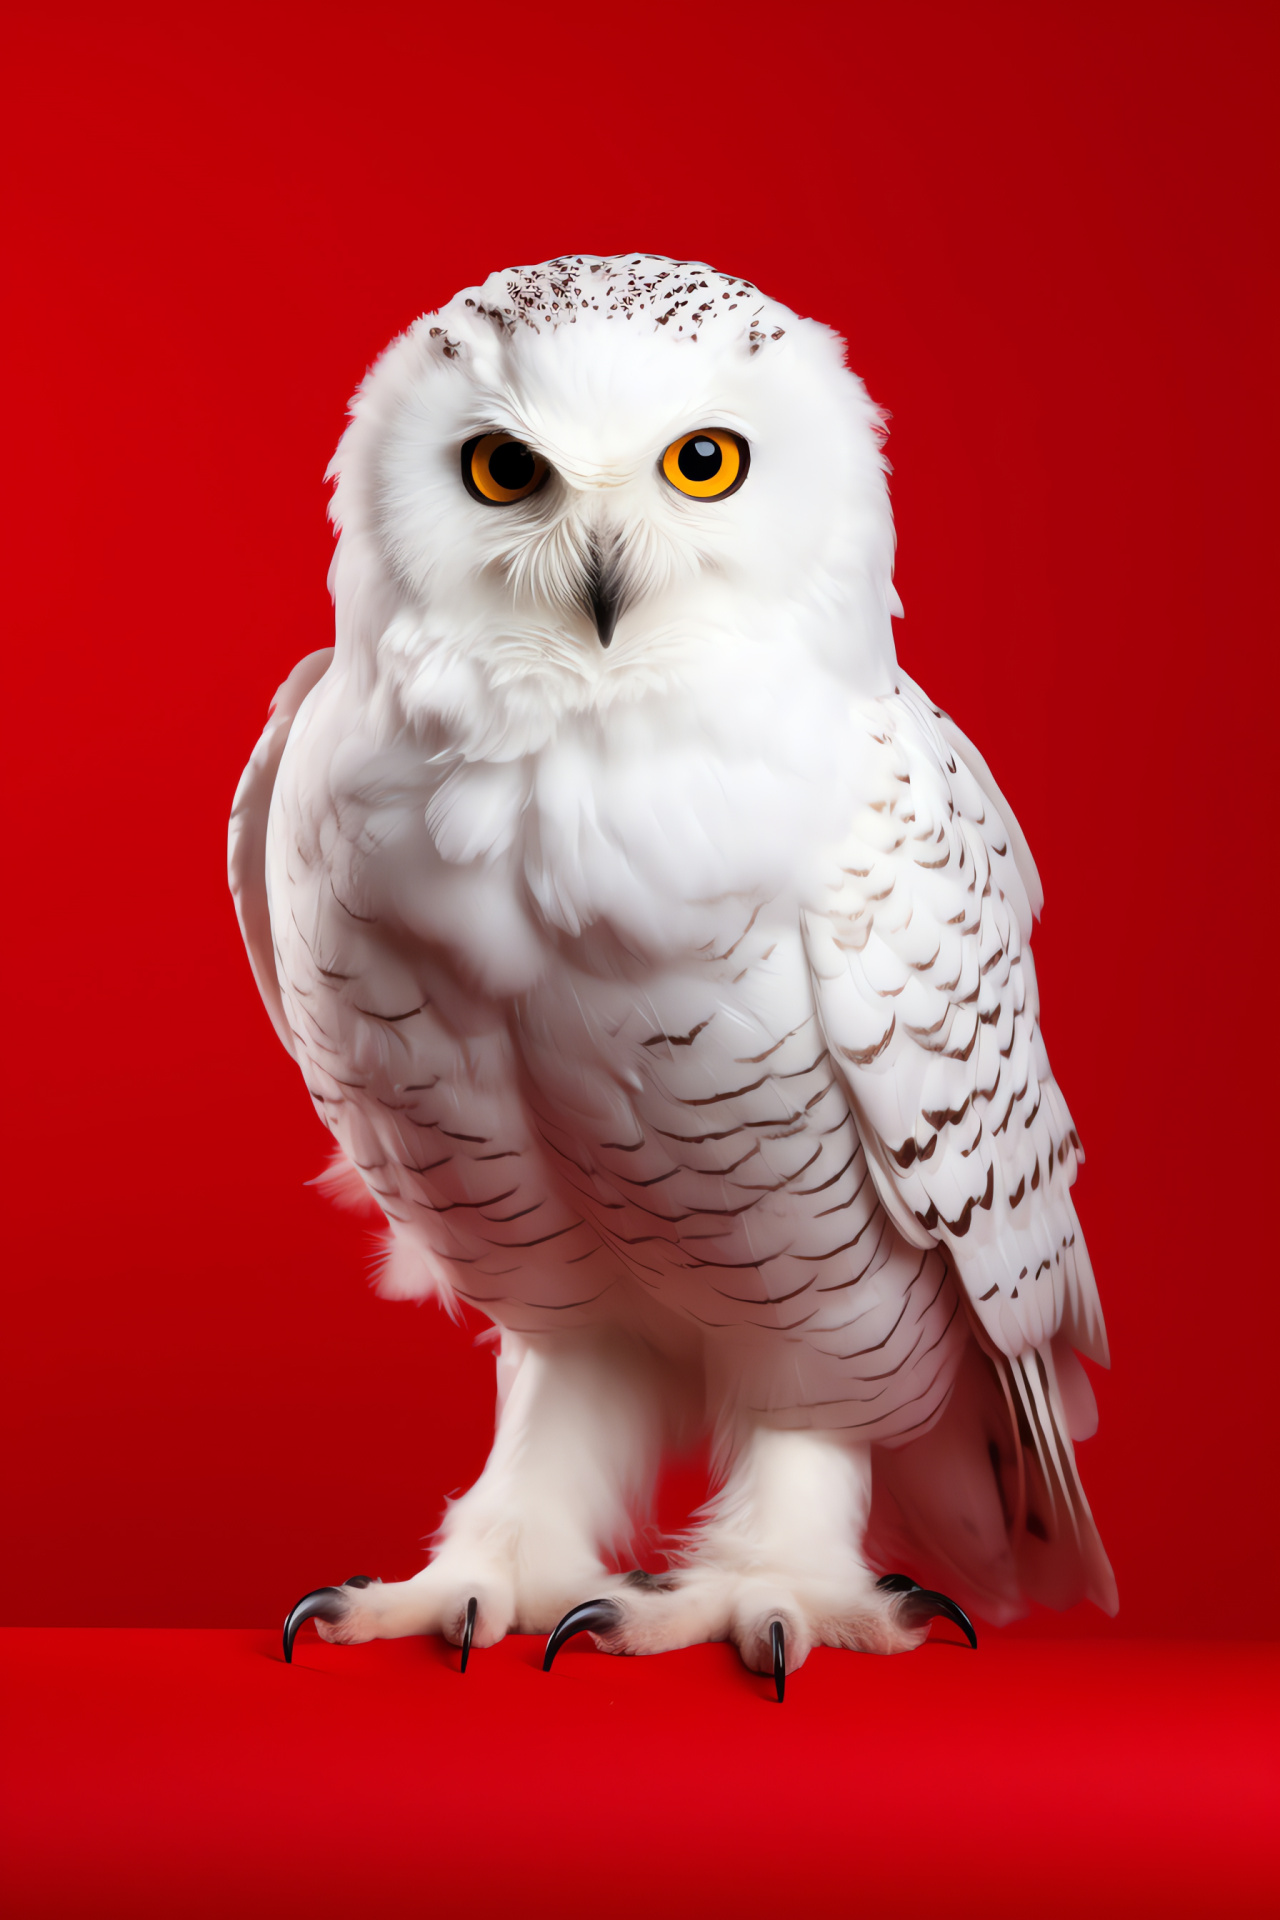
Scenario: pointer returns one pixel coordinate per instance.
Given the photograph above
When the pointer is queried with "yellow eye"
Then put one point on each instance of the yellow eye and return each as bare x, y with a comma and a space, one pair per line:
498, 469
708, 464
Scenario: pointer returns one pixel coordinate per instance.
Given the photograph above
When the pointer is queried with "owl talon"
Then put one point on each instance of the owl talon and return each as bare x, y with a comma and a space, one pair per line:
467, 1632
921, 1603
324, 1603
930, 1603
593, 1616
778, 1643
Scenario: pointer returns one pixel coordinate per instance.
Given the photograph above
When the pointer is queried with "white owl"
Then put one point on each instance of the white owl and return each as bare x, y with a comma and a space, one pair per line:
657, 955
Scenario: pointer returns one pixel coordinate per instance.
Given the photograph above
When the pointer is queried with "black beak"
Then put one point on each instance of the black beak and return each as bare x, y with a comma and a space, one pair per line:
601, 595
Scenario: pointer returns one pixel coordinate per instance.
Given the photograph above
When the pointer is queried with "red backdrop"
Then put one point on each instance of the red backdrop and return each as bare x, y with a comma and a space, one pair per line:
1042, 230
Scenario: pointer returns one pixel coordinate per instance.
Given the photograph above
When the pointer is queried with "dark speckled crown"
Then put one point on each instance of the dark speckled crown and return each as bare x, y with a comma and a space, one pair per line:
683, 295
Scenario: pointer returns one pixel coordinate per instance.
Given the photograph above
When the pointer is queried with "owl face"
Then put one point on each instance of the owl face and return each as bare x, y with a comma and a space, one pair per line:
578, 468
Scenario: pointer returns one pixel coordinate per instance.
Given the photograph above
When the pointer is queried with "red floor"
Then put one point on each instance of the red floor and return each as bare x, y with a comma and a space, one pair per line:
191, 1773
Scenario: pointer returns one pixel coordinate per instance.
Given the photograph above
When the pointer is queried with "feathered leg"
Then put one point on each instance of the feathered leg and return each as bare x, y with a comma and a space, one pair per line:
579, 1431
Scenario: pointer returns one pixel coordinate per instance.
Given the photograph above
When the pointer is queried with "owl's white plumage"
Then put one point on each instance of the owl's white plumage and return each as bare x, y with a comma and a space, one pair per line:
673, 998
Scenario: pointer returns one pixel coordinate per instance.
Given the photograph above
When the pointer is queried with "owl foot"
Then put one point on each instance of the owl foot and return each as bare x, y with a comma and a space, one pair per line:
774, 1624
364, 1609
605, 1616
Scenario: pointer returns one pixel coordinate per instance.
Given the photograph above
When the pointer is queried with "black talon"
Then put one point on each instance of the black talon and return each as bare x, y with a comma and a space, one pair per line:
934, 1603
325, 1603
467, 1632
777, 1640
924, 1603
358, 1580
593, 1616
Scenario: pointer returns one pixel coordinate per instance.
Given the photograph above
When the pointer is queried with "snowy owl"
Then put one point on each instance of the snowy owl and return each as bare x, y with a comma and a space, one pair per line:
657, 955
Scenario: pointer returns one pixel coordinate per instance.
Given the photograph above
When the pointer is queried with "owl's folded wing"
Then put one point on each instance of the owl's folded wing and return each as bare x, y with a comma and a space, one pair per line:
247, 834
926, 991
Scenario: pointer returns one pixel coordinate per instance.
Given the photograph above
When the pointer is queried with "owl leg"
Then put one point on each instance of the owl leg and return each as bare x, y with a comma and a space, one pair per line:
775, 1566
574, 1455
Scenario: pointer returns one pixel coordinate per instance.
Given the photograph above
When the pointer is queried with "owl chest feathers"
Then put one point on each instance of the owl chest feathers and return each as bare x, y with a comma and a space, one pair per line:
621, 909
558, 1011
626, 842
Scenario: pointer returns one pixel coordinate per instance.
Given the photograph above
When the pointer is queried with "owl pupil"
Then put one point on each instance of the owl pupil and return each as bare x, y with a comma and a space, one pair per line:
700, 459
511, 465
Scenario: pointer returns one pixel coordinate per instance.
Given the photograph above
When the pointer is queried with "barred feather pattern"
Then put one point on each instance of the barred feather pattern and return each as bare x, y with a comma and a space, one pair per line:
928, 995
807, 1150
684, 1152
675, 980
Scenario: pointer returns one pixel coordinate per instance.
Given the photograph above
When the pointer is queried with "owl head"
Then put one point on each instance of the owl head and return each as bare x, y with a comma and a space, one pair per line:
594, 476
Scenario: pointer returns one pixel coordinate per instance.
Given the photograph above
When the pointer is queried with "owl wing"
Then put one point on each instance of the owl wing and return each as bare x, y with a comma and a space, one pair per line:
926, 990
247, 835
921, 963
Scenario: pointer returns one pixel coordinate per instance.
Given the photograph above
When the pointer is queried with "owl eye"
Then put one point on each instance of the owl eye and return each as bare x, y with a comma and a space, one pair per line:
708, 464
497, 468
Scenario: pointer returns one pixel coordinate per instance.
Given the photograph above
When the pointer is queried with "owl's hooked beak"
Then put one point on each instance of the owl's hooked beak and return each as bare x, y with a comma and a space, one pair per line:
601, 589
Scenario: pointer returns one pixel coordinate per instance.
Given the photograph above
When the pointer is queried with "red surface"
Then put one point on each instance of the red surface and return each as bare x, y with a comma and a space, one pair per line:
1044, 229
193, 1773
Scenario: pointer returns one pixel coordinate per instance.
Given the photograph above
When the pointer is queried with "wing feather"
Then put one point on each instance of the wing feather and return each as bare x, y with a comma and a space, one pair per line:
247, 835
927, 993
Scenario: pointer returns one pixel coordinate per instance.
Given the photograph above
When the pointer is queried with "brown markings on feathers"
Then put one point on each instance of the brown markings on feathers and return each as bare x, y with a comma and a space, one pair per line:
763, 1186
805, 1192
798, 1073
844, 1247
840, 1206
930, 1219
453, 1206
908, 1153
961, 1053
756, 1059
770, 1299
741, 937
678, 1039
863, 1056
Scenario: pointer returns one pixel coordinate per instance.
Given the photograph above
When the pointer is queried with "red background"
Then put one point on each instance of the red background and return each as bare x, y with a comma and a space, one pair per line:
1042, 230
192, 1776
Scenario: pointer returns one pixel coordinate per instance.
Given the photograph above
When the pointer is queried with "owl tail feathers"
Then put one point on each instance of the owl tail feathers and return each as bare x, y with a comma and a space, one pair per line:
988, 1504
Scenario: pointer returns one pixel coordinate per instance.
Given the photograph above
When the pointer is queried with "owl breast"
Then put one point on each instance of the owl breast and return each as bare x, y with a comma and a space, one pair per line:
583, 1069
703, 1128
